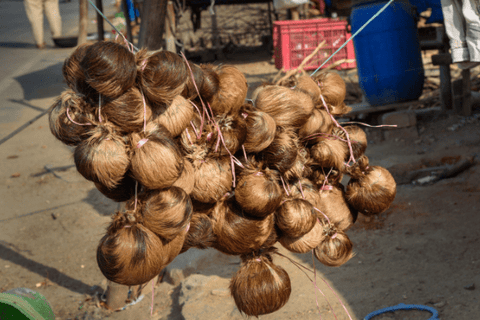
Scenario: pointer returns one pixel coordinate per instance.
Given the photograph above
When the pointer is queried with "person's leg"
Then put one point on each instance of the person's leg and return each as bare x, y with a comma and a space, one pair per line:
455, 27
471, 12
34, 9
52, 12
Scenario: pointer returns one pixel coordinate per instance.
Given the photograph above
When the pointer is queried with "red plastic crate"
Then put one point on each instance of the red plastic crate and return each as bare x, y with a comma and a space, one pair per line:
295, 40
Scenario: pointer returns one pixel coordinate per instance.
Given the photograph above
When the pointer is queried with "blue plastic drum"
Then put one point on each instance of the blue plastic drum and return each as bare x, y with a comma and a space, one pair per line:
389, 59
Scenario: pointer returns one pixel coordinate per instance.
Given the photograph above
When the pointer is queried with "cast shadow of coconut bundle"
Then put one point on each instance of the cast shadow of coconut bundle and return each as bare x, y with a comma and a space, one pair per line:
199, 167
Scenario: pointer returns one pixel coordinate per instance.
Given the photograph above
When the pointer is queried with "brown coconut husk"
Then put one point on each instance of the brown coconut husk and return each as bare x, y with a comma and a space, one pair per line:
163, 78
306, 84
211, 82
282, 152
200, 234
165, 212
128, 112
186, 181
287, 107
158, 163
332, 87
358, 169
236, 232
333, 204
232, 91
295, 217
329, 152
177, 116
62, 127
109, 68
258, 89
261, 129
325, 177
123, 191
189, 91
318, 122
300, 168
305, 189
358, 139
259, 193
372, 193
213, 179
73, 72
305, 243
234, 133
259, 286
188, 138
335, 249
102, 157
130, 254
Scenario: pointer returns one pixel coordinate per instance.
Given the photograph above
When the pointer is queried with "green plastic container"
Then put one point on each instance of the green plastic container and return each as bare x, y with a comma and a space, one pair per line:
23, 303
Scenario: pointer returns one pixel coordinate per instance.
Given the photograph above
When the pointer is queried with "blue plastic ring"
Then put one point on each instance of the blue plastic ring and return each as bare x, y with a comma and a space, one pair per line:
403, 306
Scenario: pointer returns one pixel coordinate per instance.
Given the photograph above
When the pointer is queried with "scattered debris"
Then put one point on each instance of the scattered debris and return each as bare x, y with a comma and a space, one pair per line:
15, 175
470, 287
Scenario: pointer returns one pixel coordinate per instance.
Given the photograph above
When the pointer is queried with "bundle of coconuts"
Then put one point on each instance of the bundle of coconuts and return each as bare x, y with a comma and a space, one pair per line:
199, 167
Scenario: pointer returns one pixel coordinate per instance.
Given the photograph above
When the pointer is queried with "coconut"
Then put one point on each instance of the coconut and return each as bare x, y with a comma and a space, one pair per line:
67, 118
130, 254
177, 116
232, 91
128, 112
102, 157
187, 178
259, 286
109, 68
123, 191
73, 72
335, 249
306, 84
287, 107
163, 77
165, 212
258, 193
304, 243
236, 232
329, 152
200, 234
332, 203
295, 217
282, 152
234, 131
372, 193
261, 129
213, 179
318, 122
156, 161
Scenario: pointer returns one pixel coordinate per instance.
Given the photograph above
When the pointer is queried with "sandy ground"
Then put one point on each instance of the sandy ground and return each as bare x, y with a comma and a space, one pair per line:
423, 250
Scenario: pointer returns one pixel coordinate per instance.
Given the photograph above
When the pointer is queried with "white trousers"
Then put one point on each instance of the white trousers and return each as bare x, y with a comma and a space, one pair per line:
35, 10
462, 23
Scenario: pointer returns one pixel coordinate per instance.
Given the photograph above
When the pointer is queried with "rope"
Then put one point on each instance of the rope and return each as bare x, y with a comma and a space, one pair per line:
105, 18
354, 35
403, 306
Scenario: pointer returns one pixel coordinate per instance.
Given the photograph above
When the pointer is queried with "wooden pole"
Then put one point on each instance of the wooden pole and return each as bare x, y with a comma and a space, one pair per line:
152, 25
83, 22
100, 29
170, 29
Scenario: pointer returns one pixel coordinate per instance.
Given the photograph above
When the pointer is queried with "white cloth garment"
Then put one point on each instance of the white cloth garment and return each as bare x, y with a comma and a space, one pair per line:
462, 23
35, 10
